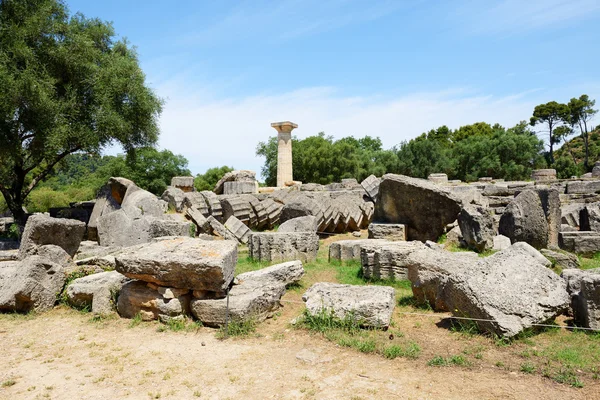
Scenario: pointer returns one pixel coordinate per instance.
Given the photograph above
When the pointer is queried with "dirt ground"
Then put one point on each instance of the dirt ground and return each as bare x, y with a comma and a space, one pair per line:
63, 354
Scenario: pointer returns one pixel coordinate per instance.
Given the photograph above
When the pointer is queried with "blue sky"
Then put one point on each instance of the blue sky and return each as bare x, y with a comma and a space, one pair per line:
391, 69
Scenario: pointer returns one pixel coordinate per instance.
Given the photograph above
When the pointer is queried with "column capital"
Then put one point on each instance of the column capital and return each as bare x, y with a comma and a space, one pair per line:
284, 127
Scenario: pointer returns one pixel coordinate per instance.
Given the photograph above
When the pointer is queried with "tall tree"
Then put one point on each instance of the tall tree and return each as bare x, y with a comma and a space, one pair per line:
581, 112
552, 115
67, 86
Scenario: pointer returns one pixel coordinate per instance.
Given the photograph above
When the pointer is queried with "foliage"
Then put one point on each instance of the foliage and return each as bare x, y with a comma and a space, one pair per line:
237, 328
550, 115
209, 179
581, 112
320, 159
67, 85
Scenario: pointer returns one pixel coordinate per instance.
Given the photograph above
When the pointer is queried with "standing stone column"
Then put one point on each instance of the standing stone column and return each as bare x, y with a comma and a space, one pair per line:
284, 151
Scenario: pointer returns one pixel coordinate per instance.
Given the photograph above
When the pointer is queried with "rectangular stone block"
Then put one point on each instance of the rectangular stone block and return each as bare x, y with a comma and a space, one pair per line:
580, 242
283, 246
387, 231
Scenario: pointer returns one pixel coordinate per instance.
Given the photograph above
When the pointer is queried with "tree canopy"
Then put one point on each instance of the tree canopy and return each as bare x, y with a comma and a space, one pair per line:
209, 179
68, 85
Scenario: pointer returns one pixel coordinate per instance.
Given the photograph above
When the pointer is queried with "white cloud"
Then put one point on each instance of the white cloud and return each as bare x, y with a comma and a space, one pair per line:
226, 132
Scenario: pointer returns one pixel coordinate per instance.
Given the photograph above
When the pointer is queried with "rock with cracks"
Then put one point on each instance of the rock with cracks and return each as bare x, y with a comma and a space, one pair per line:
41, 230
504, 293
426, 208
96, 292
477, 227
369, 306
184, 263
584, 290
30, 285
283, 246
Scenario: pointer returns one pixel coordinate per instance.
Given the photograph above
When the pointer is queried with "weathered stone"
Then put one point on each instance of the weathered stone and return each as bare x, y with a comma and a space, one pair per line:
346, 250
387, 231
424, 207
570, 214
580, 187
220, 230
109, 199
129, 227
55, 254
286, 273
146, 202
501, 242
262, 217
250, 300
31, 284
184, 263
438, 178
273, 210
454, 237
283, 246
477, 227
301, 206
496, 190
240, 187
299, 224
185, 183
41, 230
531, 293
196, 201
524, 220
312, 187
370, 306
371, 186
540, 175
589, 217
561, 259
239, 230
214, 205
140, 298
386, 260
106, 263
236, 206
234, 176
580, 242
584, 290
175, 198
198, 219
96, 291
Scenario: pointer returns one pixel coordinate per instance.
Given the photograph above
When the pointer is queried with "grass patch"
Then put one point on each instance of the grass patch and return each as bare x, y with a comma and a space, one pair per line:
136, 320
179, 325
237, 329
528, 368
347, 332
248, 264
590, 263
457, 360
9, 382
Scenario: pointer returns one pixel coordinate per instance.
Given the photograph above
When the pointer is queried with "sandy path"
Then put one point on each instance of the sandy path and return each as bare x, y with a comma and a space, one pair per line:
62, 355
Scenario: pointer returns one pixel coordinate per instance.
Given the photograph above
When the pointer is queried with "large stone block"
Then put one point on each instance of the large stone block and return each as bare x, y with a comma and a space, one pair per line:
184, 263
584, 290
423, 206
387, 231
386, 260
469, 287
220, 230
175, 198
371, 186
146, 202
477, 227
300, 224
234, 176
370, 306
283, 246
41, 230
30, 285
236, 206
524, 220
96, 291
581, 187
580, 242
346, 250
240, 187
185, 183
239, 230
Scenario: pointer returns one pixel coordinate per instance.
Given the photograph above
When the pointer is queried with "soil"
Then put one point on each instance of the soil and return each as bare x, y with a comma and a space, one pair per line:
63, 354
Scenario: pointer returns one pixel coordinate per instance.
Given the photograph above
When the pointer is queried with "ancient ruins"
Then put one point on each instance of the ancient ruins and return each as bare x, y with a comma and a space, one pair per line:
175, 256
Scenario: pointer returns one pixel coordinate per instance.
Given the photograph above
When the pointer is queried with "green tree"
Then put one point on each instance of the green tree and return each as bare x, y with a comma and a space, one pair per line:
67, 86
209, 179
581, 112
152, 169
552, 115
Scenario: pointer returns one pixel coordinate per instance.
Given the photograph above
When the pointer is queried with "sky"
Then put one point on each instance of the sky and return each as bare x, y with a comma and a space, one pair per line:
391, 69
